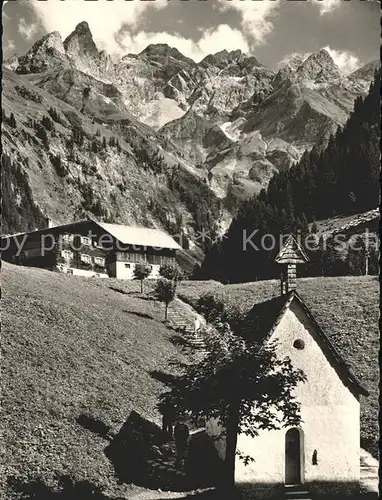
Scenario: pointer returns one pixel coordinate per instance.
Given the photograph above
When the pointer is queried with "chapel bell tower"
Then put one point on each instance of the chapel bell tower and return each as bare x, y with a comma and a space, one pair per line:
289, 256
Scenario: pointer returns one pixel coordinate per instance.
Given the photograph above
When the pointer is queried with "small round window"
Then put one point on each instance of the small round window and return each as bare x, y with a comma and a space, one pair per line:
299, 344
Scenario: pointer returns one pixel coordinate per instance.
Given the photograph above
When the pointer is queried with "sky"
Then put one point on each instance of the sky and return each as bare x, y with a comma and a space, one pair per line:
271, 30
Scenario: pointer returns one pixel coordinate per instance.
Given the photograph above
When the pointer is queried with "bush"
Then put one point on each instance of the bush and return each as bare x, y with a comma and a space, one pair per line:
95, 147
47, 123
58, 166
55, 116
211, 307
11, 121
41, 134
171, 272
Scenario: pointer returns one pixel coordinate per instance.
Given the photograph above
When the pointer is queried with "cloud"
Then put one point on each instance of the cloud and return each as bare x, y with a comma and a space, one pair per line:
9, 46
220, 38
327, 6
27, 30
256, 17
104, 18
213, 40
346, 61
110, 23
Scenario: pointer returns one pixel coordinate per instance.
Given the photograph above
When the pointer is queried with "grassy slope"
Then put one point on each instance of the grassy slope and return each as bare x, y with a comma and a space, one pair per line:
73, 346
348, 310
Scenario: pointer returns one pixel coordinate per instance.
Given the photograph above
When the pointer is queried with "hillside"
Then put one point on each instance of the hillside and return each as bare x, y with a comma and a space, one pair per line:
66, 164
74, 348
347, 308
79, 350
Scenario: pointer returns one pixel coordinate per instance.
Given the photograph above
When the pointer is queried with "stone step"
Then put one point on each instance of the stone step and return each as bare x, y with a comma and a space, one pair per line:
298, 497
296, 493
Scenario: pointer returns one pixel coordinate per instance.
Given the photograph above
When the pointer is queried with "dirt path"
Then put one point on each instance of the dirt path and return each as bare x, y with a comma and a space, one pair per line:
191, 311
164, 495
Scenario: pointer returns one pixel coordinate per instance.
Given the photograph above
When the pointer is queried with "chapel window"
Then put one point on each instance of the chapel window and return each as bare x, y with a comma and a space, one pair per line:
299, 344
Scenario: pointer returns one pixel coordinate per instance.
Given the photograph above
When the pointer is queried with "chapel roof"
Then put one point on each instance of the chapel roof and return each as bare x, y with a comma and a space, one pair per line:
264, 317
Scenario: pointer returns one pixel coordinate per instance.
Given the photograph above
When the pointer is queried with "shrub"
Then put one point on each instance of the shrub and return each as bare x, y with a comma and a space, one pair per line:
11, 121
41, 134
55, 115
47, 123
211, 307
57, 164
95, 147
171, 272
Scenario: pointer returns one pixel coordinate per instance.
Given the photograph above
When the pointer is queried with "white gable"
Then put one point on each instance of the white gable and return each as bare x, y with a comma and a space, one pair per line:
323, 382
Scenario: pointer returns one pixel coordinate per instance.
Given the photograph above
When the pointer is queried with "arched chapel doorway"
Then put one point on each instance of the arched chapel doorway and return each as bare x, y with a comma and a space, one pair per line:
293, 448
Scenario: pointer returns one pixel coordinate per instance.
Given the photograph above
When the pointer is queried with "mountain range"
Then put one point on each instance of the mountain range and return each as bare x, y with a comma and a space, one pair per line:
157, 139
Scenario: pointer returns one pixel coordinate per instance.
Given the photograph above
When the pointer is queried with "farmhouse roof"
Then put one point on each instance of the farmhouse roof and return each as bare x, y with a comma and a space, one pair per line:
127, 235
264, 317
140, 236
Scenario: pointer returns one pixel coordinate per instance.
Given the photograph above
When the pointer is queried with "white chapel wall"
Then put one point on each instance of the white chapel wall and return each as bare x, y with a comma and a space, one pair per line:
330, 417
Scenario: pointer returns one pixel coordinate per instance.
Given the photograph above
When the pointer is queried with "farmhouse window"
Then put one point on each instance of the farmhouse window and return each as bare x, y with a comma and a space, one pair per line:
86, 258
67, 254
86, 241
100, 261
127, 265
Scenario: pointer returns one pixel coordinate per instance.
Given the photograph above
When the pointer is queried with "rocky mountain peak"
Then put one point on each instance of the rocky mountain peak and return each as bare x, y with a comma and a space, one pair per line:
50, 41
82, 28
233, 63
221, 59
45, 53
319, 68
80, 42
295, 62
322, 57
162, 50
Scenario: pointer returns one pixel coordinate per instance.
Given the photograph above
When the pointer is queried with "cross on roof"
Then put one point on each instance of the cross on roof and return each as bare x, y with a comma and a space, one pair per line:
291, 253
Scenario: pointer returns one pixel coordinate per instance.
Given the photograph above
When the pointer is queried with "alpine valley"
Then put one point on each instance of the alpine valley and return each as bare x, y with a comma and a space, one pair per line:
155, 138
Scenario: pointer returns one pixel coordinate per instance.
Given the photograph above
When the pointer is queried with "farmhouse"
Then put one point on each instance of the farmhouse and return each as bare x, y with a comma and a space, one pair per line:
322, 454
91, 248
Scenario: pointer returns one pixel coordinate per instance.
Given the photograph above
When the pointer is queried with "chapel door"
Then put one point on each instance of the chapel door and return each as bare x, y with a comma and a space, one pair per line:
292, 457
